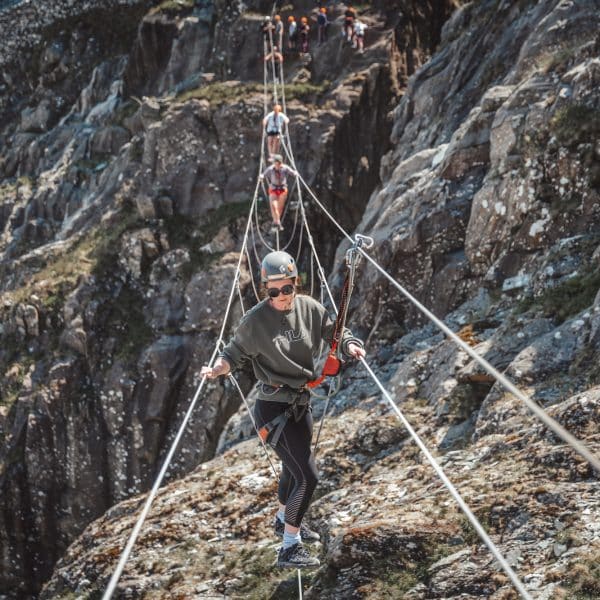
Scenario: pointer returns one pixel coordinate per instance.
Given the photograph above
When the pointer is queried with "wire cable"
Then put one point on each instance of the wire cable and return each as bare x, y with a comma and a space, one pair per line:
440, 473
538, 411
166, 463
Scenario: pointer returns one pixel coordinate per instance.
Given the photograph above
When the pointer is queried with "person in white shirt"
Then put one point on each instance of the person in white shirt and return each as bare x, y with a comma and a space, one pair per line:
274, 123
359, 36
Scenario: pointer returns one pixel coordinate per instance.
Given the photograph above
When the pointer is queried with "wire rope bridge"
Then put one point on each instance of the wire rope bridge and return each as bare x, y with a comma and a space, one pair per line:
300, 229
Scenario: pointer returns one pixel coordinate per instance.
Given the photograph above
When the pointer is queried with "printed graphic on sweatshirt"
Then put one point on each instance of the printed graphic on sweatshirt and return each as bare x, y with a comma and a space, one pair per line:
291, 336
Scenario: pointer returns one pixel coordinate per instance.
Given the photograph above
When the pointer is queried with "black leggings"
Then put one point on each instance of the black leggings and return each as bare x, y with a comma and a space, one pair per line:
299, 475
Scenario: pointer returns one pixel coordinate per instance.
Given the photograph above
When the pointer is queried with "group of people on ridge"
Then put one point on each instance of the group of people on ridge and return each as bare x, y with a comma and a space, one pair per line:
298, 32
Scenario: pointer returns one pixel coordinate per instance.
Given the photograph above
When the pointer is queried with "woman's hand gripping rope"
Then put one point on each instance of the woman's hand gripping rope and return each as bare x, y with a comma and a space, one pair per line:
221, 367
356, 351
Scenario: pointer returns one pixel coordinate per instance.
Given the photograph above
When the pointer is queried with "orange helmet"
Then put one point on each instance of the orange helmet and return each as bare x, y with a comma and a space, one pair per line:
277, 18
291, 18
323, 10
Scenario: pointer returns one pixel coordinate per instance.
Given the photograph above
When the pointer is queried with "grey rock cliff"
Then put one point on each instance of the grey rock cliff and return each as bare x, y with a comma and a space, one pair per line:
468, 150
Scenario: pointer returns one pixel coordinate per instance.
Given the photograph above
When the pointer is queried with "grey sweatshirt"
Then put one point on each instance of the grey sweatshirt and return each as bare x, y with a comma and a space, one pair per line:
285, 347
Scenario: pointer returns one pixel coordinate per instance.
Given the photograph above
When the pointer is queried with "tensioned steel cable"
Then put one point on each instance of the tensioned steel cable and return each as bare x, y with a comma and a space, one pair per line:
538, 411
464, 507
275, 101
154, 491
309, 236
250, 270
440, 473
112, 584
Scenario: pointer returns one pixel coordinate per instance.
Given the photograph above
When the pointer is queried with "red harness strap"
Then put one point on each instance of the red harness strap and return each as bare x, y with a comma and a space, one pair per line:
333, 364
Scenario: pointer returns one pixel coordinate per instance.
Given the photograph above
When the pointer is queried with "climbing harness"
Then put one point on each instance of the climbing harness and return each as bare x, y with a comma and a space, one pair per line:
333, 362
270, 432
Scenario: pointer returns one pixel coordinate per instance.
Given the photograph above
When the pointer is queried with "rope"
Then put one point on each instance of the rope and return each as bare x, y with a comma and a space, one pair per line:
241, 298
258, 231
539, 412
169, 457
244, 399
112, 584
557, 428
322, 420
256, 295
309, 236
275, 101
154, 491
440, 473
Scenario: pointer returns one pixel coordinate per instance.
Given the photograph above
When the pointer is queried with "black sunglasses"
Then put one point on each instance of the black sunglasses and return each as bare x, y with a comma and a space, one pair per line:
286, 290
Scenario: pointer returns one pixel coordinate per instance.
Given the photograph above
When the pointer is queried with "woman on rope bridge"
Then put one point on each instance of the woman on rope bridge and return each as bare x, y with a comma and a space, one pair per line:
273, 123
276, 176
277, 58
283, 336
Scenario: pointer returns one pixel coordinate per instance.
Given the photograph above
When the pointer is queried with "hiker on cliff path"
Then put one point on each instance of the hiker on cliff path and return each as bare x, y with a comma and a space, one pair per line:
292, 33
322, 25
268, 31
276, 176
273, 124
278, 32
283, 337
359, 36
303, 32
349, 18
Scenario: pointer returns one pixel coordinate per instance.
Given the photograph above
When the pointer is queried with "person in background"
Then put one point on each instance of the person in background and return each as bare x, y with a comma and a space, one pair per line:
283, 337
359, 36
303, 32
276, 176
267, 29
273, 124
349, 18
278, 31
322, 24
292, 34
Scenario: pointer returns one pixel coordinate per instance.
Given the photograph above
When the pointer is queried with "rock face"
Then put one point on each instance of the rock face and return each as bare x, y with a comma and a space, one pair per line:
127, 164
125, 182
485, 181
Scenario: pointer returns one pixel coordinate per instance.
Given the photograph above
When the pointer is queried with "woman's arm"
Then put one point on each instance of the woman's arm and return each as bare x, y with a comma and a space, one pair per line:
351, 346
238, 350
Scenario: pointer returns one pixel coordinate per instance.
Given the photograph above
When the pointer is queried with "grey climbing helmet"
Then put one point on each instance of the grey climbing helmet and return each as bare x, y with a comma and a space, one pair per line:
278, 265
